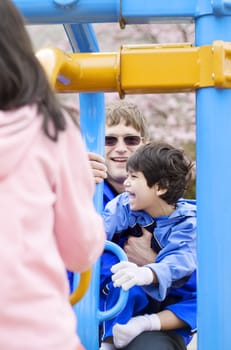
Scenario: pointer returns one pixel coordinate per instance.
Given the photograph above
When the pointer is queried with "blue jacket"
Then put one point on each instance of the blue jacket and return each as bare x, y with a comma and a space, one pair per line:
175, 264
176, 235
109, 193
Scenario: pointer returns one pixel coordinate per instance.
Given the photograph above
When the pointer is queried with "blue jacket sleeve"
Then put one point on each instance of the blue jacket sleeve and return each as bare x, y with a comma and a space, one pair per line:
117, 216
176, 260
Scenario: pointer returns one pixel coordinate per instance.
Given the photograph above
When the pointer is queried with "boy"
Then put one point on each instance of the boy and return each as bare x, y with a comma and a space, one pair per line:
158, 175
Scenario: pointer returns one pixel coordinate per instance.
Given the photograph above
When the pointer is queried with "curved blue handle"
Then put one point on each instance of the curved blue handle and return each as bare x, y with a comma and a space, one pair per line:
123, 297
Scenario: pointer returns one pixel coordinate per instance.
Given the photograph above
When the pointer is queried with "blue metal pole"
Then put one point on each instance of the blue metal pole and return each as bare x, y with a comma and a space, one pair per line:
92, 110
92, 115
158, 11
81, 11
92, 121
102, 11
213, 199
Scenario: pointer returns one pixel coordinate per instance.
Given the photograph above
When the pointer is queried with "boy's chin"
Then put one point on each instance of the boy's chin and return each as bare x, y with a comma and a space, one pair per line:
133, 207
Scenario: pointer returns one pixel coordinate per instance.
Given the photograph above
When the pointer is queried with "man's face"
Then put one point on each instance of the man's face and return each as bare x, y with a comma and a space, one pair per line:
121, 142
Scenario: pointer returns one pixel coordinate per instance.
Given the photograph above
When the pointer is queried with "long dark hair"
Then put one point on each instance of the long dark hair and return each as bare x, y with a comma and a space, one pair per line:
22, 78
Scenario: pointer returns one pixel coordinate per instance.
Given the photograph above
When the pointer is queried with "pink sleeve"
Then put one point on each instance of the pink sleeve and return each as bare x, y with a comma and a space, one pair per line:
79, 228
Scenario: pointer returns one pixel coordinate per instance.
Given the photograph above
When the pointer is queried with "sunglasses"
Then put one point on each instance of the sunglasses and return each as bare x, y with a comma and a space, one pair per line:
132, 140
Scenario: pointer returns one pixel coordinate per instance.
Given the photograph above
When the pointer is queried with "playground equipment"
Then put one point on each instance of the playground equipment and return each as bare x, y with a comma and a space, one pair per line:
209, 74
158, 68
80, 291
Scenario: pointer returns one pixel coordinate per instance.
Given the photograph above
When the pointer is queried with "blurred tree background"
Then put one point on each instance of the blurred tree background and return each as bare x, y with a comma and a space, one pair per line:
171, 117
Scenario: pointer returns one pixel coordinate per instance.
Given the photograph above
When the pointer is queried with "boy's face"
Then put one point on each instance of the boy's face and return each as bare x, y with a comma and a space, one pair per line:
141, 197
121, 142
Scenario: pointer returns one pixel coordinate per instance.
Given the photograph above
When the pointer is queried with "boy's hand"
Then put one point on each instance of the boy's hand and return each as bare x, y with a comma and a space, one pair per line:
127, 275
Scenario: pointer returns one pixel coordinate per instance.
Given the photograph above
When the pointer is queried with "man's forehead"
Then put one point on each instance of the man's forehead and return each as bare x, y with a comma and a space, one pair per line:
121, 129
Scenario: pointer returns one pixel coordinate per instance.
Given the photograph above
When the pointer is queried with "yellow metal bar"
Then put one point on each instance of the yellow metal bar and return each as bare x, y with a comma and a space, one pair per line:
85, 278
164, 68
140, 69
81, 72
221, 64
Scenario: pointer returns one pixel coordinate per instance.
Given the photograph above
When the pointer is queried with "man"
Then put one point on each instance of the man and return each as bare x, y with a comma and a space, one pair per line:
126, 130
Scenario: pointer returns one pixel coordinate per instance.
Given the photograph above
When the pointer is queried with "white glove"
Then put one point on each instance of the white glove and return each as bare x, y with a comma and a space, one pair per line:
123, 334
127, 275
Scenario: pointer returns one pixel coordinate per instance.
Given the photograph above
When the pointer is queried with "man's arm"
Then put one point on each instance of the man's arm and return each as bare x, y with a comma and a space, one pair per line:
138, 249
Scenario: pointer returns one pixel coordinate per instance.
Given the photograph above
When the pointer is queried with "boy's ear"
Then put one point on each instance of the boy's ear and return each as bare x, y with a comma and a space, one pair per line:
161, 191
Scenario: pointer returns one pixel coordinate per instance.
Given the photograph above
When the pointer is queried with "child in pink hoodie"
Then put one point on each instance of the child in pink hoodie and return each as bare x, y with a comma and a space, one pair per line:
47, 219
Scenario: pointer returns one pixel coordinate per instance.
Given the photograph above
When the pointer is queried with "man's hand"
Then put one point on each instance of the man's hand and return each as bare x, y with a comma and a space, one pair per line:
138, 249
127, 275
98, 167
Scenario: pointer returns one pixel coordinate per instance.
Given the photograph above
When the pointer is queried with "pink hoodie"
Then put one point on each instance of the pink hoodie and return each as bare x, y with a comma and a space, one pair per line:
47, 224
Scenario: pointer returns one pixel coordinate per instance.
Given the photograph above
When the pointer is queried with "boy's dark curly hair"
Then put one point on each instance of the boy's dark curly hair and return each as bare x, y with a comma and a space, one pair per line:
164, 165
